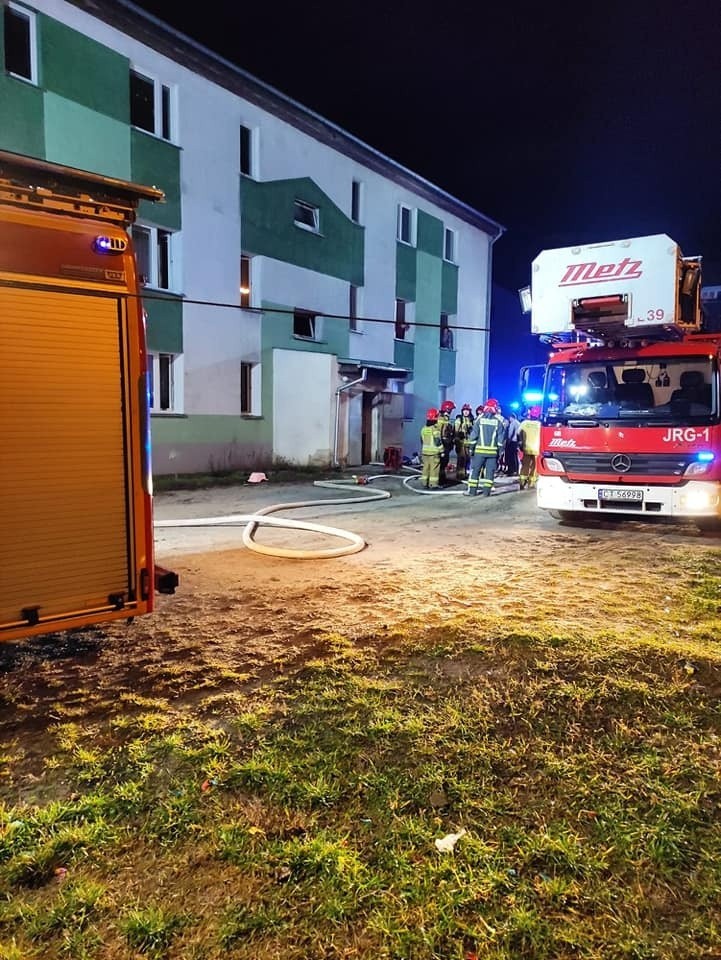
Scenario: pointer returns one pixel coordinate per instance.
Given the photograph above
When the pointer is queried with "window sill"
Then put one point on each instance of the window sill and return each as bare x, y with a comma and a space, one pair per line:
406, 243
168, 414
16, 76
298, 336
155, 136
251, 416
306, 229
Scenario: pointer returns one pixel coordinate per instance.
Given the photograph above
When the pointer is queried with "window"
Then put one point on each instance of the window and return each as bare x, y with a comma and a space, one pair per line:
153, 256
150, 105
405, 224
19, 38
353, 297
246, 151
402, 325
446, 333
355, 201
450, 242
307, 216
304, 324
250, 389
245, 281
161, 390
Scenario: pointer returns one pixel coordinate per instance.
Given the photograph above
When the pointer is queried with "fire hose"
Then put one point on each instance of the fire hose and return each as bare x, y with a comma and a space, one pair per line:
252, 521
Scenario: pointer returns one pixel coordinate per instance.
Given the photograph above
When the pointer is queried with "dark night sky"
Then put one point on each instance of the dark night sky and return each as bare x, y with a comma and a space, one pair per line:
565, 123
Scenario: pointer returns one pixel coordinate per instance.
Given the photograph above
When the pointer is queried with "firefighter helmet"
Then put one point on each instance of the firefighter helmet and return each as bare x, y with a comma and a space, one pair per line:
492, 406
432, 414
468, 407
479, 409
534, 413
447, 406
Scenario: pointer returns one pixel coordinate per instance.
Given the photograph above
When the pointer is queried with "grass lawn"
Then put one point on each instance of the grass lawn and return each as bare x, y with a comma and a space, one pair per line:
299, 820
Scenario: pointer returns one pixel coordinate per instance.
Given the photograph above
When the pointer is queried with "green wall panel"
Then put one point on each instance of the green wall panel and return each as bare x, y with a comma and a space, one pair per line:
447, 367
77, 68
205, 429
277, 331
80, 137
164, 324
403, 351
429, 234
156, 163
427, 345
405, 272
449, 288
268, 229
21, 116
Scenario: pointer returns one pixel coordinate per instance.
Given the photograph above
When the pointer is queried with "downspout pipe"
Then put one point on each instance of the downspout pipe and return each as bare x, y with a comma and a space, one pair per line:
343, 386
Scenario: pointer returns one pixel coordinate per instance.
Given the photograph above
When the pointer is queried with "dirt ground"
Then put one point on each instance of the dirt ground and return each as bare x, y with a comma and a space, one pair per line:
241, 618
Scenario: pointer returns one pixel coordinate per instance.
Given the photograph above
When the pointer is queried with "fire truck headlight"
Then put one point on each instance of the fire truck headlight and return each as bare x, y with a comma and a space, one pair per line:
555, 466
700, 497
700, 465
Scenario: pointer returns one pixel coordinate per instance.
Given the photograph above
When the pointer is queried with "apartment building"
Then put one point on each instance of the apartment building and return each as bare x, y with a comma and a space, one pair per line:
307, 297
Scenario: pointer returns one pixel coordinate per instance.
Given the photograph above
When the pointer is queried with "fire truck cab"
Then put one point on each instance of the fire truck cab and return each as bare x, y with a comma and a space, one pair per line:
630, 409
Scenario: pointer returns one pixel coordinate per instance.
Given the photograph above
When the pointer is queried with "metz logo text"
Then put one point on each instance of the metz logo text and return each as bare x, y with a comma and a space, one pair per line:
593, 272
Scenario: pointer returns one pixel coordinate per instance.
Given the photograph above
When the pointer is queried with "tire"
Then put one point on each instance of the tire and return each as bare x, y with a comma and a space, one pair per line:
709, 524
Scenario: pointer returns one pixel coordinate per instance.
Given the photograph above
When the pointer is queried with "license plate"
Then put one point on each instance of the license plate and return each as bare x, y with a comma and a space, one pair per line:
620, 494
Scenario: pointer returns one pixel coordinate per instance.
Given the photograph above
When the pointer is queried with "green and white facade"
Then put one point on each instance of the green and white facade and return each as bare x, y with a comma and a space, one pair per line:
298, 281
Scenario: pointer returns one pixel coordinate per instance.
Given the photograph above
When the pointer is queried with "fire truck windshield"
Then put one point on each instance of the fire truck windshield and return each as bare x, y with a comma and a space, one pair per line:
665, 390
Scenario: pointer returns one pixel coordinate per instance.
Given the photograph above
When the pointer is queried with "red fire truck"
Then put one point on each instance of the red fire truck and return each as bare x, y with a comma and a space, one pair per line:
630, 409
76, 546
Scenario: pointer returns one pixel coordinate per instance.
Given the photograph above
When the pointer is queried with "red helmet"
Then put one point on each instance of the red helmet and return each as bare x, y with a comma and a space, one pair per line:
448, 405
432, 414
534, 413
491, 405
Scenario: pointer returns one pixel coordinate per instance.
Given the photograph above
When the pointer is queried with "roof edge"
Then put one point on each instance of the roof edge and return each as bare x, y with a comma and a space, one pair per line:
166, 40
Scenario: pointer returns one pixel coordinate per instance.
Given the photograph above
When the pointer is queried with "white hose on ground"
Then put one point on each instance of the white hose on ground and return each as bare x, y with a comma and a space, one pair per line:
253, 520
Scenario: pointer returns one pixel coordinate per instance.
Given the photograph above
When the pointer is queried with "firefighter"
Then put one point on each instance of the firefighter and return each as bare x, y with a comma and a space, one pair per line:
487, 435
431, 449
461, 432
445, 425
530, 445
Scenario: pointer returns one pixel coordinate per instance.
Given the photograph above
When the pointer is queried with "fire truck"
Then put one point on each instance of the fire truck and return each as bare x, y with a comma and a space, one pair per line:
76, 541
630, 409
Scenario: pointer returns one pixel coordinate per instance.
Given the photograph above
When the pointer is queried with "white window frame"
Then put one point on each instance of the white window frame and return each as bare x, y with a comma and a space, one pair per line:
355, 295
253, 373
452, 235
246, 294
404, 208
314, 324
155, 234
29, 15
409, 313
158, 87
252, 150
302, 205
163, 366
357, 191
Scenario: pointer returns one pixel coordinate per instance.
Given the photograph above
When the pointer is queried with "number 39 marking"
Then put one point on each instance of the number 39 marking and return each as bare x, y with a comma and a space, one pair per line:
655, 314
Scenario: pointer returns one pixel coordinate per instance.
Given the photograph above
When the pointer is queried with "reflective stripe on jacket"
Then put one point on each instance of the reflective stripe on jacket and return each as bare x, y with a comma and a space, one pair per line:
485, 435
430, 440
